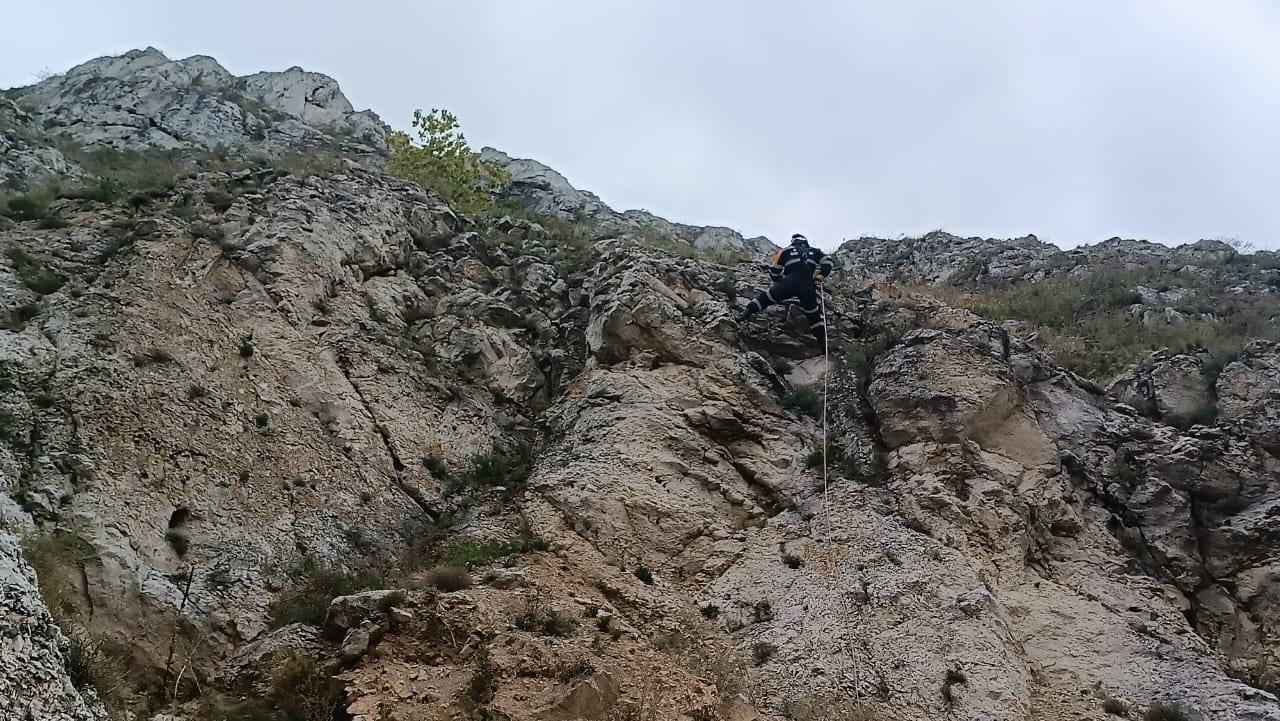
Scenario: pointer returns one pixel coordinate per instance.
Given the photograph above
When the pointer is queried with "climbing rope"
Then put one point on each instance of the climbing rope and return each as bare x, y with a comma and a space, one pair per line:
826, 370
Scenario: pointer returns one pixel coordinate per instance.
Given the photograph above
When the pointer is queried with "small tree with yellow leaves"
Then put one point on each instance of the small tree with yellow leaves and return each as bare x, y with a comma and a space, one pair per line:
441, 159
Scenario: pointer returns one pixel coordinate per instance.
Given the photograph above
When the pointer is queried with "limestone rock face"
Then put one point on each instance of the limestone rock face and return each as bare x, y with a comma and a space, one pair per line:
142, 99
1249, 393
317, 419
547, 192
314, 99
25, 161
935, 388
34, 679
1176, 389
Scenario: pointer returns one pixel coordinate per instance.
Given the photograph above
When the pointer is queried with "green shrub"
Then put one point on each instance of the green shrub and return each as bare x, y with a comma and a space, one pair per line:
299, 691
644, 574
838, 461
119, 173
26, 207
391, 600
449, 578
535, 617
805, 400
860, 357
317, 585
471, 554
1085, 326
103, 190
113, 246
1124, 472
814, 459
219, 200
508, 467
196, 391
436, 466
1204, 415
11, 429
441, 159
209, 232
762, 652
51, 222
309, 164
95, 663
32, 272
728, 286
558, 624
792, 560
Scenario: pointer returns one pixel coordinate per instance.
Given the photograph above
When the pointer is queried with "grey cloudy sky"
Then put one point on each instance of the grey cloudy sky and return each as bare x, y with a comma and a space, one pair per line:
1075, 121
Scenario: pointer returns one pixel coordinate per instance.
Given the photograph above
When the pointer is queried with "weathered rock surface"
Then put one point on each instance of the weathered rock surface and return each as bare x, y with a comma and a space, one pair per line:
24, 159
250, 386
1175, 389
142, 99
546, 192
1247, 394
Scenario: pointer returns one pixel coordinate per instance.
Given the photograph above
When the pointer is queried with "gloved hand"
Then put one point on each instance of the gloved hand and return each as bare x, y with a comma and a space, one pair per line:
819, 278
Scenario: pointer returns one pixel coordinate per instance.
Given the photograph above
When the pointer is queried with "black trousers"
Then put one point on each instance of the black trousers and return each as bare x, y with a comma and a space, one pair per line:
804, 291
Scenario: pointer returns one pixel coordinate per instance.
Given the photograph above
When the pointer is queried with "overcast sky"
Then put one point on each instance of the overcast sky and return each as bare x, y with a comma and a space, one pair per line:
1076, 121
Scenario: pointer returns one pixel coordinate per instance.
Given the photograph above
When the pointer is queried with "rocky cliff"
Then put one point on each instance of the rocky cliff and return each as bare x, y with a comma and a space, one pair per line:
300, 441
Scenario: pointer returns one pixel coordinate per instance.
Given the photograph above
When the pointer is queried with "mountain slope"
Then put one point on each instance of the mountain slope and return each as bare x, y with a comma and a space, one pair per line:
301, 439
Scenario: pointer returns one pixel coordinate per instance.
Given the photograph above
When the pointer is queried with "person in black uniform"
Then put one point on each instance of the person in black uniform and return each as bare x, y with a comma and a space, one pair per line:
796, 273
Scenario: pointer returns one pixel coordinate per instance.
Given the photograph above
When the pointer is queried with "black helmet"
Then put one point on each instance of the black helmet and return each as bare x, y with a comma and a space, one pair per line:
799, 239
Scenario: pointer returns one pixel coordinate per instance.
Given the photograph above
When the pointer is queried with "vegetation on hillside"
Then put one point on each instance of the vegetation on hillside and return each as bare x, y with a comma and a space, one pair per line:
441, 159
1087, 321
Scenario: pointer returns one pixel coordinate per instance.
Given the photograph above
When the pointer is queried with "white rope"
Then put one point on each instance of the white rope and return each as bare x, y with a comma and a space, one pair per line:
826, 368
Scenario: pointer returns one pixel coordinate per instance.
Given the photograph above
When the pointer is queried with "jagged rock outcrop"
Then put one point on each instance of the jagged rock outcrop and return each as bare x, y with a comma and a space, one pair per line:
546, 192
939, 257
34, 680
24, 159
314, 418
943, 258
1175, 389
142, 99
1247, 393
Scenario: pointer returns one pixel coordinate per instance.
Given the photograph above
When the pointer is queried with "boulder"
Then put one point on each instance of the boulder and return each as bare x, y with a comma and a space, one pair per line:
589, 698
936, 387
1249, 393
1175, 389
349, 612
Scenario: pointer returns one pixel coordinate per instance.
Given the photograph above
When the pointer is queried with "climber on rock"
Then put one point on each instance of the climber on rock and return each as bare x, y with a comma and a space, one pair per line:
797, 271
